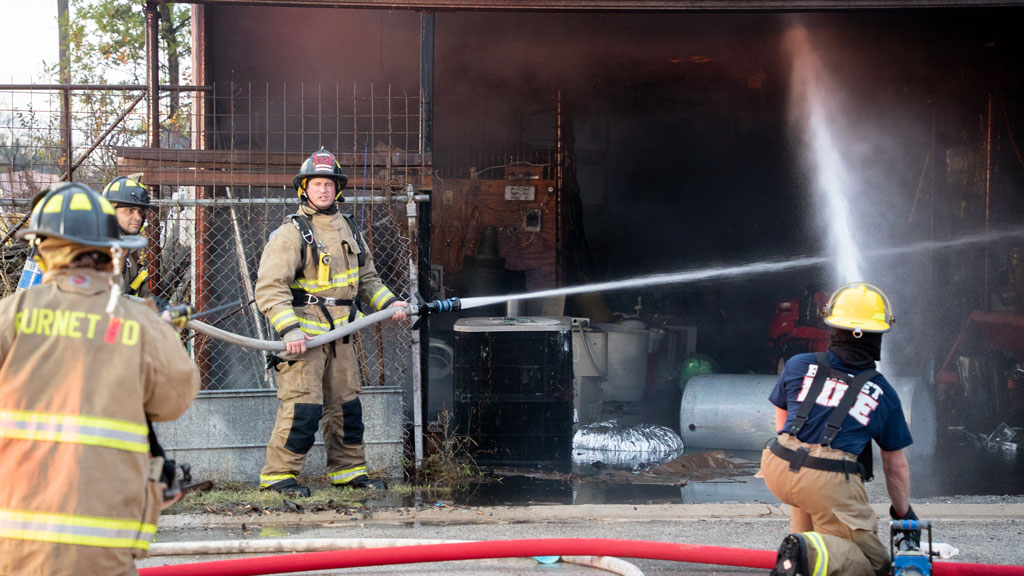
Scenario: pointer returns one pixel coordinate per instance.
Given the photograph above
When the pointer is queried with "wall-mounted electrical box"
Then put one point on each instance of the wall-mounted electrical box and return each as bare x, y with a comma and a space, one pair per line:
531, 220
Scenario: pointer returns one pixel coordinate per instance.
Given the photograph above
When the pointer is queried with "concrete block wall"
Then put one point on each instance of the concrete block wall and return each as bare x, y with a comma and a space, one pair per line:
224, 435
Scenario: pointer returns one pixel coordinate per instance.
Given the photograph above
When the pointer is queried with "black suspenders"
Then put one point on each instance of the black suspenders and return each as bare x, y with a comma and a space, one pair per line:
835, 421
800, 457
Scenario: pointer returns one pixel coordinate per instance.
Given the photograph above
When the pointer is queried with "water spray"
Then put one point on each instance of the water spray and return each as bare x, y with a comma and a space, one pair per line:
422, 308
813, 110
703, 274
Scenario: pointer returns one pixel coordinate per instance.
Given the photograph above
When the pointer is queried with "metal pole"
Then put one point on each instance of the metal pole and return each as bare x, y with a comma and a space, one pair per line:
423, 280
560, 256
426, 82
243, 269
421, 337
153, 72
153, 87
417, 375
65, 78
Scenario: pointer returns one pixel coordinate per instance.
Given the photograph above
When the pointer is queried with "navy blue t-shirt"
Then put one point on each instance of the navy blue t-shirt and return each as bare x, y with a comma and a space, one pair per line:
877, 414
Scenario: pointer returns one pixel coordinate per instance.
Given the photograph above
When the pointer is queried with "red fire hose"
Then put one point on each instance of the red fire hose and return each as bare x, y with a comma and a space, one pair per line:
719, 555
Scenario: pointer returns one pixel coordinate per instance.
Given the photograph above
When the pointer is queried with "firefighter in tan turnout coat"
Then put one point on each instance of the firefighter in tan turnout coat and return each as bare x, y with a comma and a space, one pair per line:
130, 200
315, 274
80, 373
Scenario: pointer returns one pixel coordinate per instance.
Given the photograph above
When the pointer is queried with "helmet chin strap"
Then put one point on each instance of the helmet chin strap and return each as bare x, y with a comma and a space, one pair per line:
331, 210
116, 254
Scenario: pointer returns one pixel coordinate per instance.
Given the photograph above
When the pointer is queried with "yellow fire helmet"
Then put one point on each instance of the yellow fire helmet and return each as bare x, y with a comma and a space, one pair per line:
860, 307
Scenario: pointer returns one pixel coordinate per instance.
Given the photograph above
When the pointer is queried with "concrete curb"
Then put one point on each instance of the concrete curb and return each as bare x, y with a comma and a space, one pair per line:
579, 513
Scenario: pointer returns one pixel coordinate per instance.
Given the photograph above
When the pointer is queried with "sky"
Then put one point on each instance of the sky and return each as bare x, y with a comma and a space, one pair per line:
28, 36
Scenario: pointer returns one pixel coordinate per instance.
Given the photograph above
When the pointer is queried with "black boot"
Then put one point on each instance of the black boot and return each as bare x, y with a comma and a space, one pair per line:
792, 557
289, 487
365, 482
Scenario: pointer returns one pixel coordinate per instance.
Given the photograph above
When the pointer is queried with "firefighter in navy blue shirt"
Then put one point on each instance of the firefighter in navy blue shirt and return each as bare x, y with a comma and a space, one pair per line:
829, 406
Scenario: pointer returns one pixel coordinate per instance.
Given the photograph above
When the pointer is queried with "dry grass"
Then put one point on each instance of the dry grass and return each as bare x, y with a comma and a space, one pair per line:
447, 466
238, 498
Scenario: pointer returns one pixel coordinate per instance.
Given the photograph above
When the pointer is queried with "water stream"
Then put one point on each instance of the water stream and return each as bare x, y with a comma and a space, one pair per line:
748, 269
816, 117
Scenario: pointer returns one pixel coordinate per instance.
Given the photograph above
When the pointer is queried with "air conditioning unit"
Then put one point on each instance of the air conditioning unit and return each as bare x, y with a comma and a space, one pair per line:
513, 388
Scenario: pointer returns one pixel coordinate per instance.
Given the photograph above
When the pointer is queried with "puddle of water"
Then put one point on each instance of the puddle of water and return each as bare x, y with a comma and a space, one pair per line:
526, 490
954, 471
966, 471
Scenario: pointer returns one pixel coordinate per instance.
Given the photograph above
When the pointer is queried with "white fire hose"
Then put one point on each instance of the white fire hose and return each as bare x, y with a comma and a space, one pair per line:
277, 346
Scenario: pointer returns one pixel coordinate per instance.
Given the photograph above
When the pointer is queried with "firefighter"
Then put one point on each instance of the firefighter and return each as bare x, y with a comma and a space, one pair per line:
81, 371
829, 408
315, 274
131, 202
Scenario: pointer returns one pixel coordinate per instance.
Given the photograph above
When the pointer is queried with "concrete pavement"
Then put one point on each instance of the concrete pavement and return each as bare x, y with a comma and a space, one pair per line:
984, 533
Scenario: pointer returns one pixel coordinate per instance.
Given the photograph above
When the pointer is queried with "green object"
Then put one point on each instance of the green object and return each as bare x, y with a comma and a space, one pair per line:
693, 365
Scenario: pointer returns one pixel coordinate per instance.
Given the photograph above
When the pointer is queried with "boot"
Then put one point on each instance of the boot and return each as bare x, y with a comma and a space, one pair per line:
367, 483
289, 487
792, 557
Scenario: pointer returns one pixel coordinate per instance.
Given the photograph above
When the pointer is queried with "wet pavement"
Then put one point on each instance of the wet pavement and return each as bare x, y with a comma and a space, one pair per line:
984, 533
973, 497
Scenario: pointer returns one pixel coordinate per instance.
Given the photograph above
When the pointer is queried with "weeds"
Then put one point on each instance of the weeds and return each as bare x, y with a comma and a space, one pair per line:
448, 461
447, 466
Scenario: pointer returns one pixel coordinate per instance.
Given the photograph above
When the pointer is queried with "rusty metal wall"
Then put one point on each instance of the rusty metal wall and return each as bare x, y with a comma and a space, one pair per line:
618, 5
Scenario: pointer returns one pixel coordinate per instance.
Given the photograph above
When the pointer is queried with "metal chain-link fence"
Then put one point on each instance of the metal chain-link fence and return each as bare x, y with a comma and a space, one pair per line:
221, 185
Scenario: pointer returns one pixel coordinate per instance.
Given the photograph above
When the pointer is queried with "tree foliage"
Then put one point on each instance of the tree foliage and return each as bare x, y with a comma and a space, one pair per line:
108, 41
107, 45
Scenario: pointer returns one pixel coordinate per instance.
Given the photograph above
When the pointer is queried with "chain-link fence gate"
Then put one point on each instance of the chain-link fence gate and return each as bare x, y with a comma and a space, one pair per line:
221, 186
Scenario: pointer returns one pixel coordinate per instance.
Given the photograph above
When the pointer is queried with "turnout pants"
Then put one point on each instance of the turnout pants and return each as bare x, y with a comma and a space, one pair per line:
834, 504
318, 386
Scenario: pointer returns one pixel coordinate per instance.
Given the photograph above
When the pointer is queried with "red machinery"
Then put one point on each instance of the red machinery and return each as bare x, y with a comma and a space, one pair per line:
797, 327
982, 376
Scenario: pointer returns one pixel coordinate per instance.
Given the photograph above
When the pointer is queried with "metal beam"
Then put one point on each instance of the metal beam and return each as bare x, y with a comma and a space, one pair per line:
153, 72
619, 5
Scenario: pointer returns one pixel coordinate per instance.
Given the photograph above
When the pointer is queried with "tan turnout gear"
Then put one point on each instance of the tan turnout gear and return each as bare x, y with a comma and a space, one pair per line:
128, 192
323, 382
836, 508
134, 276
81, 494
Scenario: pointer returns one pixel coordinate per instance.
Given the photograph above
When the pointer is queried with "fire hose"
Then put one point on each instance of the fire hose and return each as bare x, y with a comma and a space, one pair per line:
292, 545
418, 308
276, 346
672, 551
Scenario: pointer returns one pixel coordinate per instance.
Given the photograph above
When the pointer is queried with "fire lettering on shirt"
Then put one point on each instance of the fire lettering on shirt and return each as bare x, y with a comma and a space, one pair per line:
70, 324
832, 392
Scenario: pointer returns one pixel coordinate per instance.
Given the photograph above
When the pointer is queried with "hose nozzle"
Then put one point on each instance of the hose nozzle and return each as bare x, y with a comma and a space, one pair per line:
422, 308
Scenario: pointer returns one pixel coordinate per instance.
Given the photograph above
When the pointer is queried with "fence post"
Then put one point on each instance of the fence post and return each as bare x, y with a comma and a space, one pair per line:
415, 351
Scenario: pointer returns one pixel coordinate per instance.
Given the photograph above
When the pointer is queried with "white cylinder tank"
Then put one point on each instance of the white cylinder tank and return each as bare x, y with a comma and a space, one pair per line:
732, 411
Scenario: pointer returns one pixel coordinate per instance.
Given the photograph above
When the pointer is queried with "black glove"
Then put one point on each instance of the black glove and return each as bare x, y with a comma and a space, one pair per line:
906, 539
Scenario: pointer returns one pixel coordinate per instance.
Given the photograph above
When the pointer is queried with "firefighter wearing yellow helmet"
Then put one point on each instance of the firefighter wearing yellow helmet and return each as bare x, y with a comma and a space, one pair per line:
315, 274
829, 407
131, 205
81, 494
